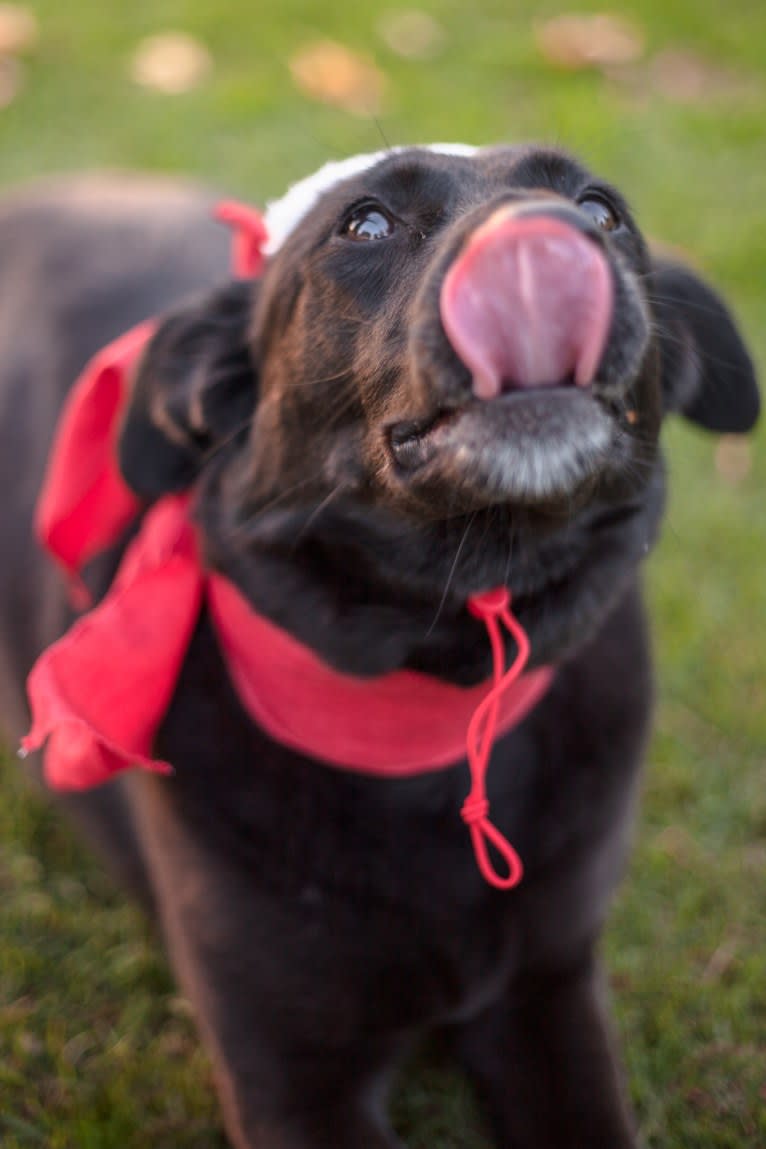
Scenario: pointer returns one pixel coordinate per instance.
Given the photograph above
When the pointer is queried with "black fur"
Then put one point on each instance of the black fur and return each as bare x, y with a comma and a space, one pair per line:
352, 487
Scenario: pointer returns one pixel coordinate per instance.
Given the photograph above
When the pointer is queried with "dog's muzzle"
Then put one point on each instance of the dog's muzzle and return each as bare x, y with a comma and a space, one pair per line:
522, 334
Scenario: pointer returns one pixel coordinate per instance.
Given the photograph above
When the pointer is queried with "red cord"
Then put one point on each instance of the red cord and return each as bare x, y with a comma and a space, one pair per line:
493, 608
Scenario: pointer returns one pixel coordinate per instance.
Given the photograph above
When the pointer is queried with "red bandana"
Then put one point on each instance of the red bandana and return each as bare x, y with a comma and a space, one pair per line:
97, 723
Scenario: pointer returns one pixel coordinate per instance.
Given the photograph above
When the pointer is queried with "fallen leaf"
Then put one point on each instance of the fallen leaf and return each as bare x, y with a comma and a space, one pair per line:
19, 30
733, 458
171, 62
676, 843
16, 1010
11, 79
721, 960
30, 1044
687, 78
700, 1099
682, 77
412, 34
578, 42
329, 72
77, 1047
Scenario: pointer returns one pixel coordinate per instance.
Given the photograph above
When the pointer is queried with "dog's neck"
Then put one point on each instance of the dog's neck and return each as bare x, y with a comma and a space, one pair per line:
356, 620
371, 594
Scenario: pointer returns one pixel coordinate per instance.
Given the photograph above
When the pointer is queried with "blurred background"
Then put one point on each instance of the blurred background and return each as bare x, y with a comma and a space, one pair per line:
668, 101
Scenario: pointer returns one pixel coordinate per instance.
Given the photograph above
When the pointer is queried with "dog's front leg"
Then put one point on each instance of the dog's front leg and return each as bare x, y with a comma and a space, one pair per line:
315, 1103
544, 1063
277, 998
342, 1127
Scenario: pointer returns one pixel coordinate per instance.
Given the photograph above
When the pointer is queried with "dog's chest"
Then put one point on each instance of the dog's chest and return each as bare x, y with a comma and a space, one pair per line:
371, 884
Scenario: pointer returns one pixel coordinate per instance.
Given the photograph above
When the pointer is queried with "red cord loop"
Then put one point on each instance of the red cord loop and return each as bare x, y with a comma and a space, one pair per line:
493, 607
485, 832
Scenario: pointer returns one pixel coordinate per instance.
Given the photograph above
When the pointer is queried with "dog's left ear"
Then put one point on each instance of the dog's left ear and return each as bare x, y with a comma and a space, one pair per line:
707, 372
195, 388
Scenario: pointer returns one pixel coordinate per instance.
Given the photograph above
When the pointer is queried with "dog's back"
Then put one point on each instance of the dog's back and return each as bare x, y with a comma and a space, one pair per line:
81, 261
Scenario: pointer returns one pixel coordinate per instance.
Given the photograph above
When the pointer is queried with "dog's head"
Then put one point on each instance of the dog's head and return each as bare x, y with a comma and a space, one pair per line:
451, 375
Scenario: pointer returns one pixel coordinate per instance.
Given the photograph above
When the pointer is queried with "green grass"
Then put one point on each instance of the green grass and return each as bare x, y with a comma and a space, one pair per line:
96, 1048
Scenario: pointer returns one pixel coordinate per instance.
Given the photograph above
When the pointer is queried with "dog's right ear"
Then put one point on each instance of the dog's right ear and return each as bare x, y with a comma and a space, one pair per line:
196, 387
707, 372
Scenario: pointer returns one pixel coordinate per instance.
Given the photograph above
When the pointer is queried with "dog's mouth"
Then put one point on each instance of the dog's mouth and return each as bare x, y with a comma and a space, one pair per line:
527, 445
527, 308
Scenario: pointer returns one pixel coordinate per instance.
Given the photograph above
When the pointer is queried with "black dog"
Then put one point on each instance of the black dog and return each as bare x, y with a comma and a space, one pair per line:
450, 377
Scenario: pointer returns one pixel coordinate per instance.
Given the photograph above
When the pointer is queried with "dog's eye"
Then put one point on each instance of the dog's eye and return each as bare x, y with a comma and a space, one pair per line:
368, 222
600, 211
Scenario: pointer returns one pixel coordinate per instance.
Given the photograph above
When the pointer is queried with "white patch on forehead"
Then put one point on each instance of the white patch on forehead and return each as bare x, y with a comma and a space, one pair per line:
283, 215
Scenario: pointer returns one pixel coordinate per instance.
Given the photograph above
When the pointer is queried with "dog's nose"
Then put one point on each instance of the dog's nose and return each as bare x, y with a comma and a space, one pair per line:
554, 208
528, 300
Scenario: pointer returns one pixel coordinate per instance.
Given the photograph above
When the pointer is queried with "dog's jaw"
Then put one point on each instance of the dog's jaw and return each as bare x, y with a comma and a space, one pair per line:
523, 448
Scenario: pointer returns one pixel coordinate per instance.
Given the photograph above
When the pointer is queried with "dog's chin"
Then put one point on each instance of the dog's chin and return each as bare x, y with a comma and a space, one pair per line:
530, 448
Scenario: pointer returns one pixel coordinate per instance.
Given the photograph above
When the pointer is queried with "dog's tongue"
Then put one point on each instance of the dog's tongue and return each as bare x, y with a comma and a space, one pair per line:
528, 302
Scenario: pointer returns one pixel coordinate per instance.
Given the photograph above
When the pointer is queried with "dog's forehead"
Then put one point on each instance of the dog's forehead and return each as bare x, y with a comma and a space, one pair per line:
546, 166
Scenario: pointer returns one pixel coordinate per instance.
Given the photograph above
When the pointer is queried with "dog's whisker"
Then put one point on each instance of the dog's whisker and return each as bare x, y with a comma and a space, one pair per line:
217, 448
237, 530
694, 305
509, 556
320, 379
316, 513
381, 133
697, 354
451, 574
